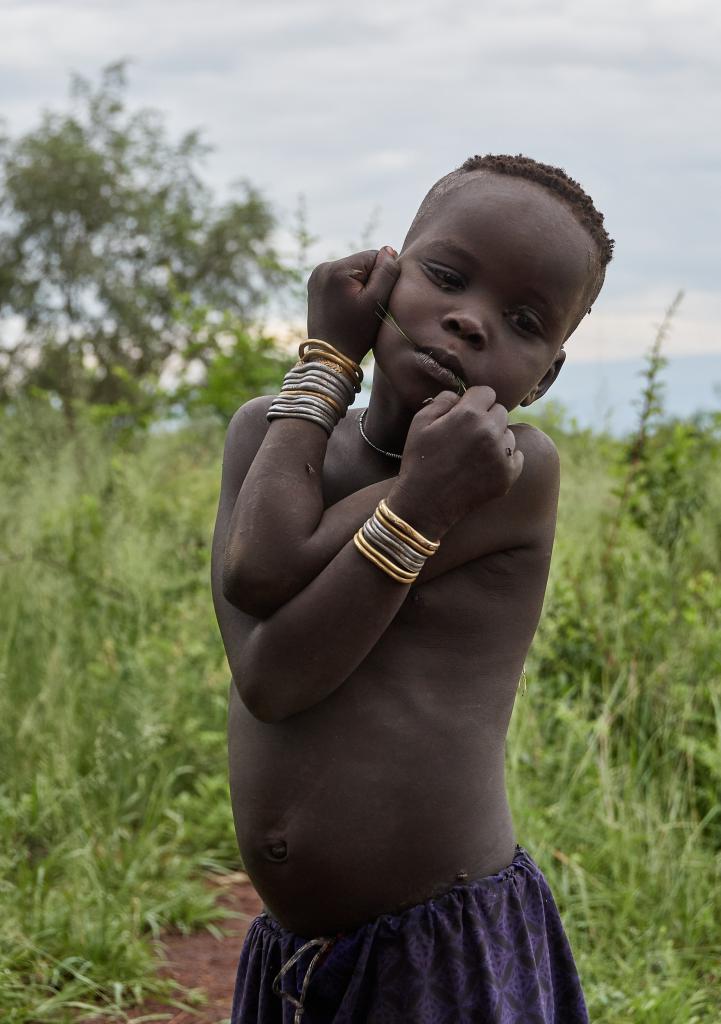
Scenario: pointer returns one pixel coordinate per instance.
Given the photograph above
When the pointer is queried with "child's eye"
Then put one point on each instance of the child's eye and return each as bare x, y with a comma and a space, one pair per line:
526, 321
447, 280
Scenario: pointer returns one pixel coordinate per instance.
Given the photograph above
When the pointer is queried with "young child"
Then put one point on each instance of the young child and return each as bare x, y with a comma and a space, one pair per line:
378, 578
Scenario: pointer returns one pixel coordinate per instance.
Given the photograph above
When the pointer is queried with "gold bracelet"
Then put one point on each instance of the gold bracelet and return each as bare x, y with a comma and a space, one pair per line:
389, 525
322, 351
368, 548
324, 360
315, 394
430, 545
329, 363
393, 573
399, 575
331, 350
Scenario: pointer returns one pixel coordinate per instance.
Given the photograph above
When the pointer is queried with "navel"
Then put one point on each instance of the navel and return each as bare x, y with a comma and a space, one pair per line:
277, 850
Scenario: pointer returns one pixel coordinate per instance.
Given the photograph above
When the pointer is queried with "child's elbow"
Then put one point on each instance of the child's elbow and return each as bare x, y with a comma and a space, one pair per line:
250, 594
242, 594
262, 712
256, 592
261, 703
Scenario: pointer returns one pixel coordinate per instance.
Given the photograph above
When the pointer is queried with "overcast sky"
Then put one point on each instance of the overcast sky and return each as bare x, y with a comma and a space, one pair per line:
360, 108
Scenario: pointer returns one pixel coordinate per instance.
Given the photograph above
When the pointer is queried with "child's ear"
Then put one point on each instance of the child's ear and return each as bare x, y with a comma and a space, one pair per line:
546, 380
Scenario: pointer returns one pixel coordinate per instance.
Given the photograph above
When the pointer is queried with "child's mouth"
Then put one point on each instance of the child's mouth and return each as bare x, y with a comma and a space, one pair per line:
438, 371
441, 373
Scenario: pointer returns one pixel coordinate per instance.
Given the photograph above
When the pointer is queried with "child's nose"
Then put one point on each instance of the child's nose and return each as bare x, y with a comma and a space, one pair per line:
469, 328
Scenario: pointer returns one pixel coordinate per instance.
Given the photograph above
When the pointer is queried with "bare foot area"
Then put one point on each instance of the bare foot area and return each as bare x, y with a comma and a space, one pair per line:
204, 963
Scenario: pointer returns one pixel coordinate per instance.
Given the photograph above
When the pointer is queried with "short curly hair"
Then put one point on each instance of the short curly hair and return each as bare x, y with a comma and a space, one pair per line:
554, 179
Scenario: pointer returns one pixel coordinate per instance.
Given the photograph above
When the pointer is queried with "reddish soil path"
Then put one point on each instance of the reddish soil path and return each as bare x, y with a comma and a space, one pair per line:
201, 961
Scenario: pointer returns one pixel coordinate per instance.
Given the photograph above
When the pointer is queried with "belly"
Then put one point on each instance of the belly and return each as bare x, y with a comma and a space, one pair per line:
389, 792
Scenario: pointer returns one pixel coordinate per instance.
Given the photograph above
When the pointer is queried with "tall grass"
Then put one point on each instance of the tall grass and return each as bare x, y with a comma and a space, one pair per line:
113, 795
113, 798
615, 763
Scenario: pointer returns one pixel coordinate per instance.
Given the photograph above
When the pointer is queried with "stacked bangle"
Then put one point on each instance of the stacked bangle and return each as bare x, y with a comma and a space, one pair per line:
326, 352
393, 545
406, 532
319, 388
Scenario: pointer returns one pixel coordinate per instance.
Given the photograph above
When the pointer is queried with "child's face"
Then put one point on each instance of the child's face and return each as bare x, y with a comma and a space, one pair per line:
492, 281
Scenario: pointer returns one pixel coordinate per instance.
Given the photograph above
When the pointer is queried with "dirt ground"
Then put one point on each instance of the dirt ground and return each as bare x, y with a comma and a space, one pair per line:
201, 961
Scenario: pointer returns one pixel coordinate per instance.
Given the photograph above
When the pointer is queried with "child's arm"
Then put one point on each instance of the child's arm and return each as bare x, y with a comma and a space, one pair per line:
278, 536
297, 656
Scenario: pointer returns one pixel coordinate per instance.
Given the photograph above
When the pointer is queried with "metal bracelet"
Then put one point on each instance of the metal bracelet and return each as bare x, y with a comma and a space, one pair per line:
395, 549
331, 366
383, 563
289, 398
299, 415
318, 370
318, 387
328, 353
288, 405
306, 404
303, 382
399, 555
391, 537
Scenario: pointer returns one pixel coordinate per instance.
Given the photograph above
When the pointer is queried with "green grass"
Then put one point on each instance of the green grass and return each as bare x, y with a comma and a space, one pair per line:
113, 795
112, 713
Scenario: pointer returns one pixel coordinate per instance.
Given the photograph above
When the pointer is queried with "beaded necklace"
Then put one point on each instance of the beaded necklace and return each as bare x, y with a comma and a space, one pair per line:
391, 455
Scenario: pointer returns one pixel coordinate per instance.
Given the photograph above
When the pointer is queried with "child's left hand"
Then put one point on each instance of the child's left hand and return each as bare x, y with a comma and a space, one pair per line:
343, 298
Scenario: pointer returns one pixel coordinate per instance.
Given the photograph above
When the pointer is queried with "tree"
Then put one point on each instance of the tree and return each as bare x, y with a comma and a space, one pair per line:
104, 224
226, 364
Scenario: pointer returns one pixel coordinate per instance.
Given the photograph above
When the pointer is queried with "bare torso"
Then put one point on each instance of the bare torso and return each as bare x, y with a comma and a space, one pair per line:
391, 790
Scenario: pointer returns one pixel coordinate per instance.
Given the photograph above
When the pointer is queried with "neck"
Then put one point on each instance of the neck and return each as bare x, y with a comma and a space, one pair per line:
387, 420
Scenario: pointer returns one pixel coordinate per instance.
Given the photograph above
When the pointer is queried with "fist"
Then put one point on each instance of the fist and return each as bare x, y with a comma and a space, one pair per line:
343, 298
459, 454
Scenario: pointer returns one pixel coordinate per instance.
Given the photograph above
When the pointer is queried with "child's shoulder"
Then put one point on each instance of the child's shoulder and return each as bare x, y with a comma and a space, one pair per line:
525, 517
243, 438
522, 521
538, 483
535, 444
250, 414
248, 424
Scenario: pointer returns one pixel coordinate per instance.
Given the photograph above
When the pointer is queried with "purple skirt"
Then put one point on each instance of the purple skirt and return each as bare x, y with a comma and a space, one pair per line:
491, 951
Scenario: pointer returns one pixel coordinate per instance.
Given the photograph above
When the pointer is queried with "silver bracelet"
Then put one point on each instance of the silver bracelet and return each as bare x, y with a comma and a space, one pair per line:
317, 388
325, 401
395, 549
318, 371
402, 555
290, 404
298, 414
320, 386
305, 403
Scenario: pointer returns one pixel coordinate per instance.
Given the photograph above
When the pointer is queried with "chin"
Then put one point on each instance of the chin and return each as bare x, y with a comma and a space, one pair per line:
401, 394
395, 374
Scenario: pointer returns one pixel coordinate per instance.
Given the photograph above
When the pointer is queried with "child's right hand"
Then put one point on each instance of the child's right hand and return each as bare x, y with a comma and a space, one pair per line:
343, 296
456, 458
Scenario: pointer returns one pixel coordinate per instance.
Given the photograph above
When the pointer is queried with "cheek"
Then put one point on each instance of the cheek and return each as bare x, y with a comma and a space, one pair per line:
398, 326
400, 308
397, 297
411, 293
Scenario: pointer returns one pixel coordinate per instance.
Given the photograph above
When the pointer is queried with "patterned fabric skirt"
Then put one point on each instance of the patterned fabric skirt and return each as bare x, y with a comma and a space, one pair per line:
491, 951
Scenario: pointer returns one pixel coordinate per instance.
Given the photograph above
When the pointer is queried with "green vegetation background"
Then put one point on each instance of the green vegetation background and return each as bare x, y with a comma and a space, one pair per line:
113, 794
113, 681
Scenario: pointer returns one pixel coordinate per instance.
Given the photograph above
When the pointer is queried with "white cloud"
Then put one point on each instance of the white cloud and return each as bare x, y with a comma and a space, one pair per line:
626, 329
361, 108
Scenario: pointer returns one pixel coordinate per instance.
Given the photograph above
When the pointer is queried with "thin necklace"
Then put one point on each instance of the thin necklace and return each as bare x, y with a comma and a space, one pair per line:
391, 455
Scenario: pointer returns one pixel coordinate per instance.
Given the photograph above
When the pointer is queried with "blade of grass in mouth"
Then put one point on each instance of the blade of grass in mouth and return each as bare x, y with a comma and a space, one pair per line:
387, 317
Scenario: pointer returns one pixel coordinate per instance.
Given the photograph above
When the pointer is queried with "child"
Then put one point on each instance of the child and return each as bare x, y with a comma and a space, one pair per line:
376, 645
